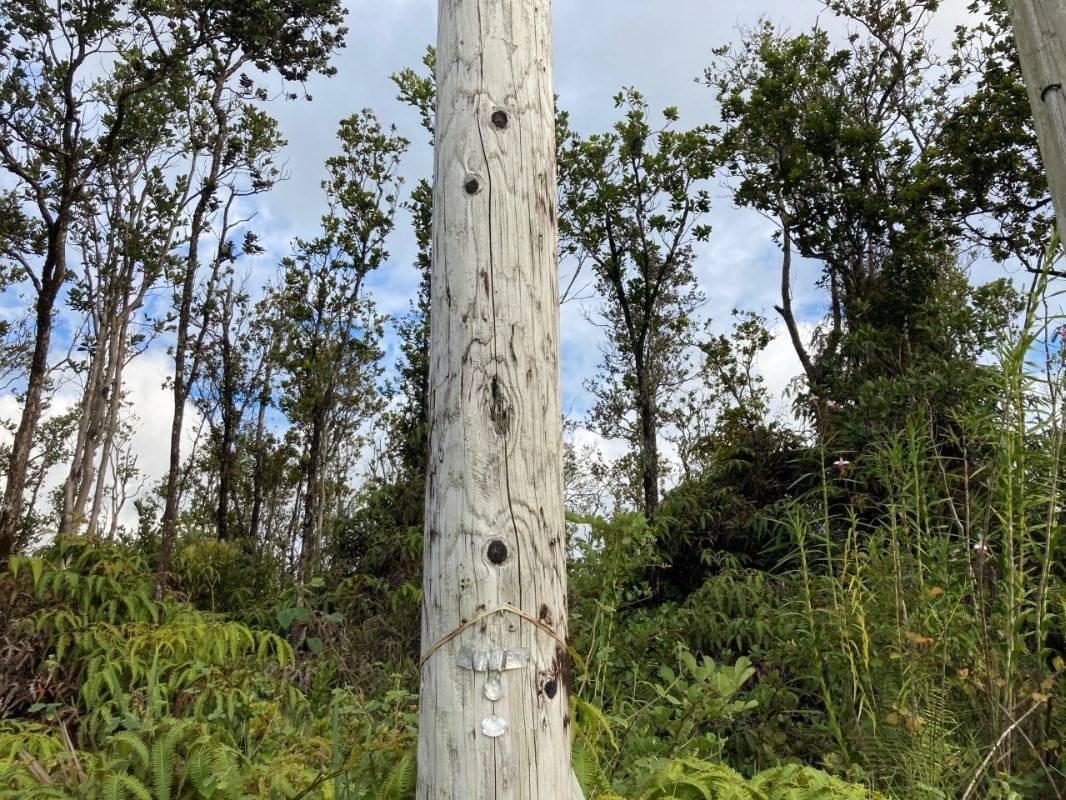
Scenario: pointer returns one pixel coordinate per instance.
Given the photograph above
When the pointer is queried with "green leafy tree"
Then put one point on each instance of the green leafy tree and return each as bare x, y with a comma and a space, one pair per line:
631, 201
77, 82
128, 225
986, 145
328, 346
827, 143
231, 148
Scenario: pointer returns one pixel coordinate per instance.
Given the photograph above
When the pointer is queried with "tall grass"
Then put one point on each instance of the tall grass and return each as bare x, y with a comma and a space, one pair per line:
934, 621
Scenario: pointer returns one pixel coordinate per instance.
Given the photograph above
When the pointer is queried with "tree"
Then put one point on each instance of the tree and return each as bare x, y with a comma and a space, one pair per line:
235, 139
231, 143
124, 234
631, 203
828, 143
495, 544
76, 82
327, 350
409, 423
65, 112
986, 146
232, 377
380, 538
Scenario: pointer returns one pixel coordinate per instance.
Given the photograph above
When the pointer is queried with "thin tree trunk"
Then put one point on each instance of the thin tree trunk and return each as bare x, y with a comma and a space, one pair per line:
1040, 32
111, 428
312, 503
785, 309
495, 544
98, 404
98, 318
182, 380
52, 277
180, 395
649, 444
257, 472
88, 430
230, 418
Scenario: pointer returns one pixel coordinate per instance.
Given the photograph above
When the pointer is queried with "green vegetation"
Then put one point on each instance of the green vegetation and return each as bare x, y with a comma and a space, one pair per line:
901, 631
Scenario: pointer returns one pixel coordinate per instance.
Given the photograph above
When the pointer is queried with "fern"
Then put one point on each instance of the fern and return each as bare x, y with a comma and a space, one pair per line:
120, 787
163, 761
793, 782
400, 781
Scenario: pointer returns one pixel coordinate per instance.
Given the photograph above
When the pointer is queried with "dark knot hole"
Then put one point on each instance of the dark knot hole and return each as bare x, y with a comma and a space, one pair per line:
497, 551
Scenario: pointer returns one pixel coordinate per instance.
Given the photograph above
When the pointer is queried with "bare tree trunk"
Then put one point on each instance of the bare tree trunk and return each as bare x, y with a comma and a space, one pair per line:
180, 394
1040, 32
53, 275
312, 501
111, 322
649, 442
111, 427
494, 719
785, 309
89, 422
257, 471
229, 412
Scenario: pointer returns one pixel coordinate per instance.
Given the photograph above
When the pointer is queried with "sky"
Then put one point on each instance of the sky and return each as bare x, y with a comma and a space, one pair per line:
660, 47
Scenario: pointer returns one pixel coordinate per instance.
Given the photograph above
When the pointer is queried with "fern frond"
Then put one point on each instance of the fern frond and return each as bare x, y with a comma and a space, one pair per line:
400, 781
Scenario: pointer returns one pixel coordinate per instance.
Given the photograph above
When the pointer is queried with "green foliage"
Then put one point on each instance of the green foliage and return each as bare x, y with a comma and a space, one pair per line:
618, 758
632, 201
151, 698
137, 697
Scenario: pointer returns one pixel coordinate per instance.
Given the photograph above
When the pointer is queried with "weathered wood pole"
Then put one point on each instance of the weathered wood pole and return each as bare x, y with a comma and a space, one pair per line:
493, 718
1040, 32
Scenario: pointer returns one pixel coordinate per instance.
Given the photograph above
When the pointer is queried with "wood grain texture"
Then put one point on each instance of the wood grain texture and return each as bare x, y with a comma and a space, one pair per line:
1040, 32
494, 470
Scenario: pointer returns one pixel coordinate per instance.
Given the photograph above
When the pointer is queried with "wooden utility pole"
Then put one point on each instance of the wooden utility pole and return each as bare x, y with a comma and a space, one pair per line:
1040, 32
493, 719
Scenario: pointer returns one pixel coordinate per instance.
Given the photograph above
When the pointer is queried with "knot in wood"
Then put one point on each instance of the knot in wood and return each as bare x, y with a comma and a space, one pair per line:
499, 119
496, 552
472, 185
499, 409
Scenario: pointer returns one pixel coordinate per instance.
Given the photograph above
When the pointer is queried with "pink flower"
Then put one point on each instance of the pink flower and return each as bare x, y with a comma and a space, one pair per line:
841, 463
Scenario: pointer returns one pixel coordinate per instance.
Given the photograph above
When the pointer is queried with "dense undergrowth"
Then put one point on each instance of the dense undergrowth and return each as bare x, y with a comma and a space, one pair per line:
111, 693
898, 632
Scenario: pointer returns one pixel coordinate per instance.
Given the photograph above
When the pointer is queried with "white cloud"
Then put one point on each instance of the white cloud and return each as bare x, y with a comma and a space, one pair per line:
778, 365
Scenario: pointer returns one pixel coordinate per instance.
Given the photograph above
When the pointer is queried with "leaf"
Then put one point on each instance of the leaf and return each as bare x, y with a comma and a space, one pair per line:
287, 616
